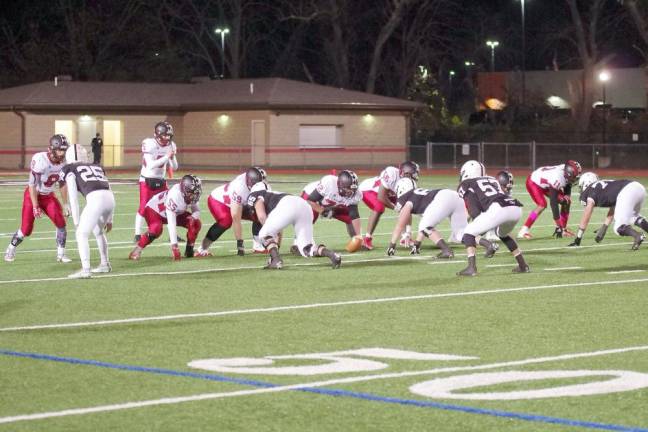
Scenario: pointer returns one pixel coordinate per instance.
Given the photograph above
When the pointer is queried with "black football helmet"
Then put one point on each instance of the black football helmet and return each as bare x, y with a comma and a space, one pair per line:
409, 169
572, 171
505, 179
163, 133
191, 188
57, 147
347, 183
264, 174
253, 176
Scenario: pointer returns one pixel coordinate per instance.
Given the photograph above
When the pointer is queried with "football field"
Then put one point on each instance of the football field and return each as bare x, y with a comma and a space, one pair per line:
381, 344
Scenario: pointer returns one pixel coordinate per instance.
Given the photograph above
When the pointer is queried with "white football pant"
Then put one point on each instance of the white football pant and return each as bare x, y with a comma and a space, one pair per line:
446, 204
628, 205
99, 209
501, 219
295, 211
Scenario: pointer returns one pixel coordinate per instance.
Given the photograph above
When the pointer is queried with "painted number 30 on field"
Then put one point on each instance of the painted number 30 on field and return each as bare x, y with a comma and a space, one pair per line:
453, 387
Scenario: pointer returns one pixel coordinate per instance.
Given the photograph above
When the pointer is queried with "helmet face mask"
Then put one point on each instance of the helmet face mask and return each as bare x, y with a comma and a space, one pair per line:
58, 145
264, 174
471, 169
409, 169
347, 183
586, 180
191, 188
163, 133
253, 176
572, 171
505, 179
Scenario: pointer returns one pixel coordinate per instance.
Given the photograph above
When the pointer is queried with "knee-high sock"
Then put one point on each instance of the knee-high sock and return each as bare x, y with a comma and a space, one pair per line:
102, 244
531, 219
139, 219
84, 248
61, 237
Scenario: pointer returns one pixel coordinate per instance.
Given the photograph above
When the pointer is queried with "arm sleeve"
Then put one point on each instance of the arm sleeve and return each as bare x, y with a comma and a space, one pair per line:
172, 226
553, 202
73, 197
353, 212
154, 163
315, 196
34, 178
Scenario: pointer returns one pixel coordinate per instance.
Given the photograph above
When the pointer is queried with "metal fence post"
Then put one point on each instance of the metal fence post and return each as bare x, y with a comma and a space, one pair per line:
593, 156
506, 156
454, 155
533, 155
428, 156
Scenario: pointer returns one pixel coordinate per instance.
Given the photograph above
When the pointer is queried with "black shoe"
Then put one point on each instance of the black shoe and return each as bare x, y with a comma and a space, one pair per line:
519, 269
275, 264
137, 237
295, 250
336, 261
468, 271
490, 251
445, 255
637, 242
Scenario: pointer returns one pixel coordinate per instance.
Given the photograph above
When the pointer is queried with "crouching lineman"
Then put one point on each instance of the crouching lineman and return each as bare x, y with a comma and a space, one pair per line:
490, 208
434, 206
176, 207
97, 216
39, 197
380, 192
276, 210
624, 198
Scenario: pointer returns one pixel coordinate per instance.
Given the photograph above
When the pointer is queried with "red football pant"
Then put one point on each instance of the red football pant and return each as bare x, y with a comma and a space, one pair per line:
146, 193
156, 224
371, 199
537, 193
340, 213
222, 214
48, 203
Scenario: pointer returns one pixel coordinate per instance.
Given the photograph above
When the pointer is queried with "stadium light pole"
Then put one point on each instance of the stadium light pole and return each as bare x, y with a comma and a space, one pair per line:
523, 53
604, 77
222, 32
492, 45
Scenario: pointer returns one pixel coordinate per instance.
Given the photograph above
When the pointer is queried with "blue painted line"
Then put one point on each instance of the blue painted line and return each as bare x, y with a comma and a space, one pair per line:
333, 392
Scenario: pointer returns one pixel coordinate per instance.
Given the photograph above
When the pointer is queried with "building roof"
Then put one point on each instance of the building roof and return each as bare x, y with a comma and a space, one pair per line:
243, 94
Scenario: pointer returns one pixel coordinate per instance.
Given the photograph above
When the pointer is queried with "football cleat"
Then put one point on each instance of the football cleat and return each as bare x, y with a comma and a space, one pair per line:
519, 269
490, 251
275, 264
135, 254
202, 253
445, 255
294, 249
336, 261
367, 243
102, 268
637, 242
10, 254
81, 274
524, 233
62, 258
468, 271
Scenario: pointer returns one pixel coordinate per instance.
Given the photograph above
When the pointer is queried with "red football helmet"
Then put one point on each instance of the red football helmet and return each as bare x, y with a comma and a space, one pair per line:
347, 183
572, 171
163, 133
253, 176
58, 145
191, 188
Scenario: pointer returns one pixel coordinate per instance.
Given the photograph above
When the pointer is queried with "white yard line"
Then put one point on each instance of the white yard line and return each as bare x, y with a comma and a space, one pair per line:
625, 271
285, 388
316, 305
563, 268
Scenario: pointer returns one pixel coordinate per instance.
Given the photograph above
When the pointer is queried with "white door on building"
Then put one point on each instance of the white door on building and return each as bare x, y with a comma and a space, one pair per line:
112, 143
258, 142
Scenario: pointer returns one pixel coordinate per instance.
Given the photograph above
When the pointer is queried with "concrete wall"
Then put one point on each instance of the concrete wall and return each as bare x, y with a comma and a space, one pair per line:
10, 127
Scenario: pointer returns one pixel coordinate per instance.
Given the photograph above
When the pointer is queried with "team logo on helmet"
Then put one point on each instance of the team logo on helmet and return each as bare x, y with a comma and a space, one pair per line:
409, 169
505, 179
58, 145
586, 180
347, 183
471, 169
191, 188
253, 175
163, 133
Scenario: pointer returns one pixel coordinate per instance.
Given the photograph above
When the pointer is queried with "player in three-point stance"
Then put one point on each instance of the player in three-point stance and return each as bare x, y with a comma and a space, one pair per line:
624, 198
380, 192
556, 183
158, 158
275, 211
176, 207
97, 216
226, 204
490, 208
433, 206
39, 197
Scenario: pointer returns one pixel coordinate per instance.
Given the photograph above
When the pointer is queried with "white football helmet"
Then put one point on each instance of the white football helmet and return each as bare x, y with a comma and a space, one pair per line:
472, 169
76, 153
404, 185
586, 180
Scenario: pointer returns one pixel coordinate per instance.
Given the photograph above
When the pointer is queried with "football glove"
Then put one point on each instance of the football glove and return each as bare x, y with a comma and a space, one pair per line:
600, 233
391, 250
327, 213
66, 210
176, 252
415, 249
38, 212
558, 232
576, 242
240, 250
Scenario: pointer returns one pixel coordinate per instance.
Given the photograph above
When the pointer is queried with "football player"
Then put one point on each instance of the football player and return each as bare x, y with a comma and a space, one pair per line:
556, 183
39, 197
433, 206
624, 198
380, 192
226, 204
90, 181
158, 159
505, 179
275, 211
249, 214
490, 208
176, 207
336, 196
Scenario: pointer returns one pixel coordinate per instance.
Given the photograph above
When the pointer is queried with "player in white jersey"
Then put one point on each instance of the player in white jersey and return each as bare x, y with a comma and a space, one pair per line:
158, 159
380, 192
556, 183
336, 197
176, 207
39, 197
226, 204
90, 181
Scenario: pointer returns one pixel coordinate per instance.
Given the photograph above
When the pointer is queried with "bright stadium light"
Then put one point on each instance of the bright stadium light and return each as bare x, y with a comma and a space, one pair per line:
492, 45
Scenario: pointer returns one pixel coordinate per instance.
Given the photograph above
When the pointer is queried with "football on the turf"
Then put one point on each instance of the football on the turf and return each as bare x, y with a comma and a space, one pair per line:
354, 244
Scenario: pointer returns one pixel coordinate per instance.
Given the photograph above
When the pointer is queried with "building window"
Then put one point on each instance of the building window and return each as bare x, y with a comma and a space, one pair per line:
320, 136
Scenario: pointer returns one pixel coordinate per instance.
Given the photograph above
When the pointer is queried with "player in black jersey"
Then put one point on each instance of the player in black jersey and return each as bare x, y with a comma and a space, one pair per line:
275, 211
433, 206
624, 198
490, 208
90, 181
